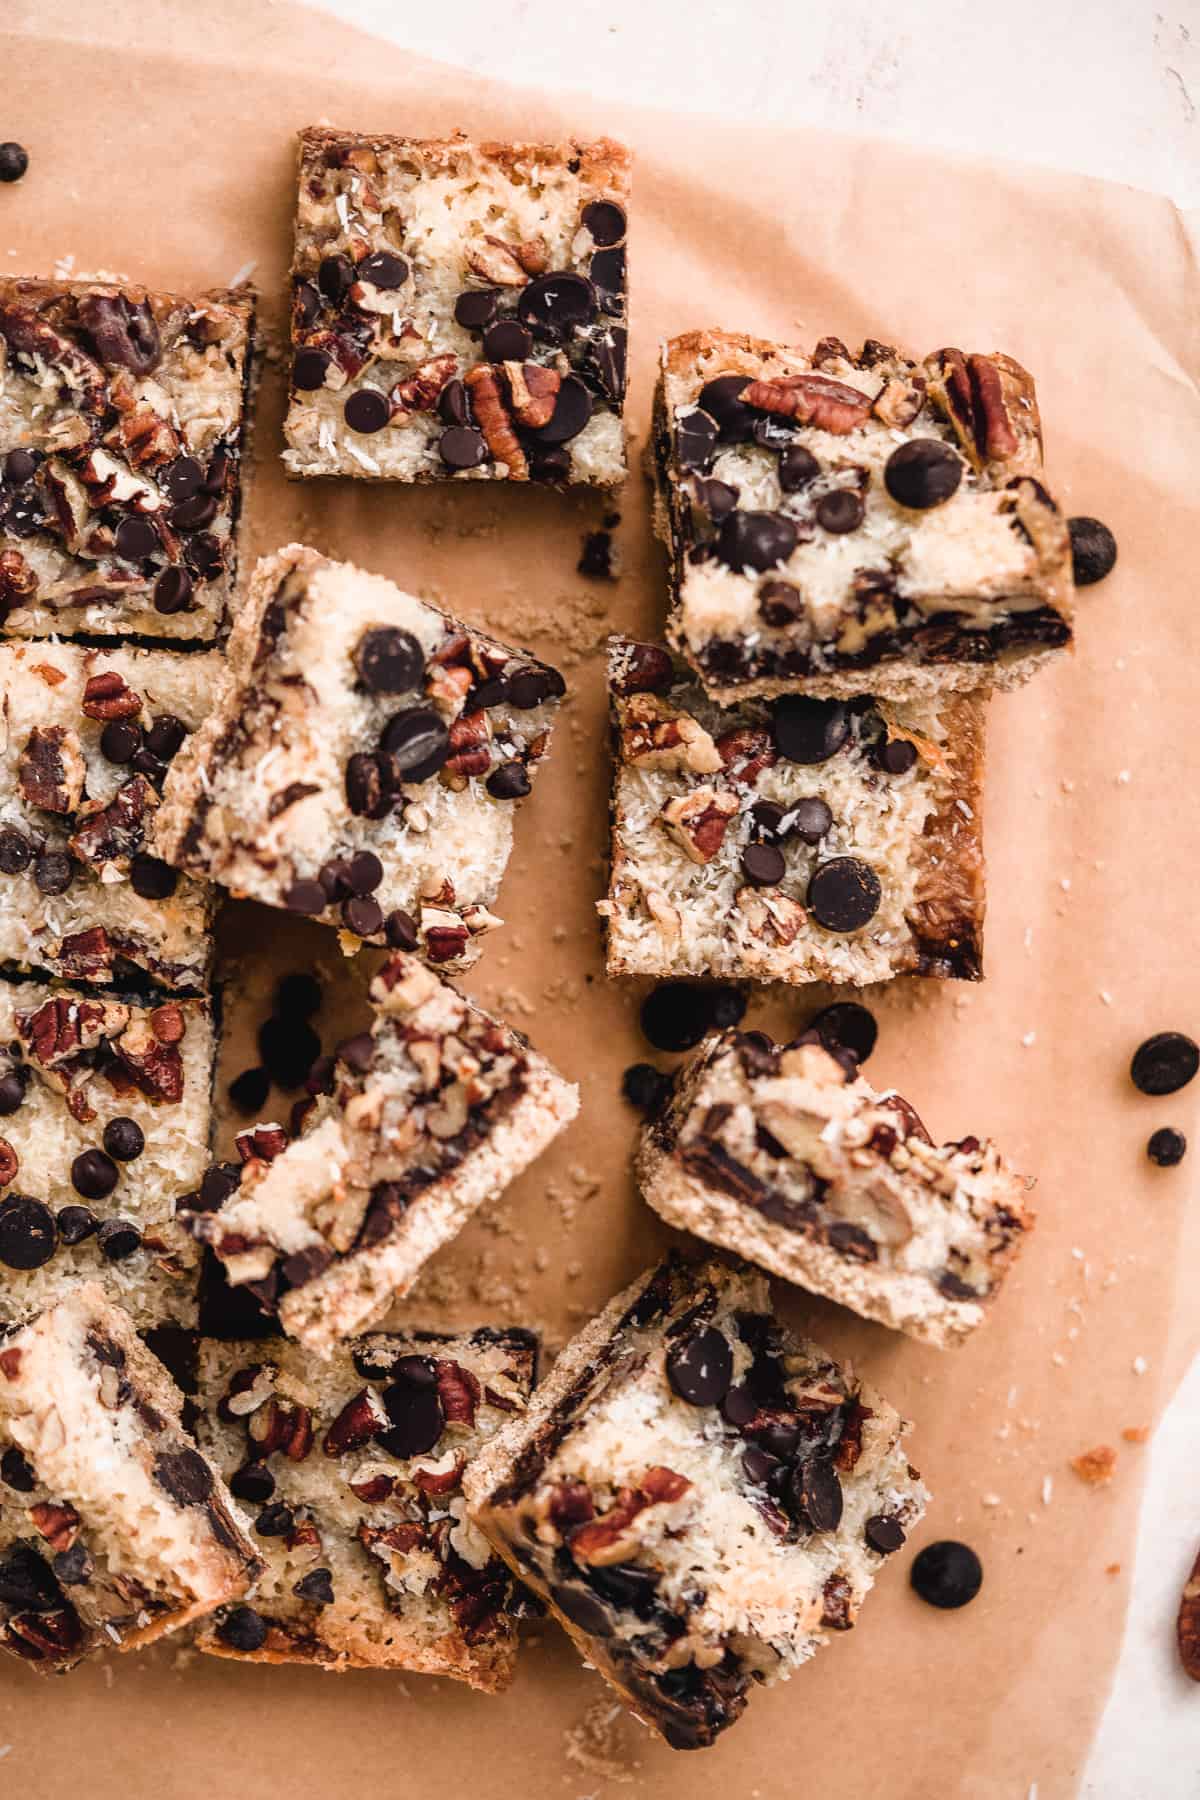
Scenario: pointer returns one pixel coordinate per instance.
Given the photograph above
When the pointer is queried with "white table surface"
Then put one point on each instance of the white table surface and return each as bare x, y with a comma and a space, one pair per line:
1102, 87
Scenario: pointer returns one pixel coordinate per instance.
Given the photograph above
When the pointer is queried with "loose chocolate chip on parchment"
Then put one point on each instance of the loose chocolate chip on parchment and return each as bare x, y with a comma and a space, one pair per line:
14, 160
1164, 1063
1166, 1147
947, 1574
846, 1026
645, 1087
1093, 550
248, 1091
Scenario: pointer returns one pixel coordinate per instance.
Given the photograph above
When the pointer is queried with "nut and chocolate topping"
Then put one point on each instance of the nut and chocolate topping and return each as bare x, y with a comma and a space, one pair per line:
788, 1156
796, 840
458, 310
353, 1468
840, 521
362, 728
698, 1496
121, 419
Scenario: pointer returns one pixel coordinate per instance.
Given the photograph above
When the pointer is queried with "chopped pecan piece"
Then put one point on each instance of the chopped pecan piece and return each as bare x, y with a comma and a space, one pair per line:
10, 1163
770, 915
57, 1523
813, 399
52, 770
440, 1481
508, 265
155, 1069
168, 1024
609, 1538
419, 391
114, 833
356, 1424
87, 953
470, 748
33, 341
837, 1596
899, 400
492, 417
278, 1426
18, 583
657, 736
61, 1028
698, 821
1187, 1625
107, 696
533, 389
745, 753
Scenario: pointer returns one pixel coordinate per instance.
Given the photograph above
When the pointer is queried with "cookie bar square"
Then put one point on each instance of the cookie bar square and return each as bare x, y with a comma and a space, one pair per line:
363, 761
352, 1471
88, 736
122, 414
781, 1155
837, 521
698, 1495
794, 840
435, 1110
458, 310
105, 1108
114, 1529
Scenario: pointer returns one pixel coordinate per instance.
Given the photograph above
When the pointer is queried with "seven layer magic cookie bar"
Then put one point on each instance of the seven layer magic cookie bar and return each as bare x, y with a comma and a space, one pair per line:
352, 1473
699, 1496
104, 1123
434, 1111
837, 521
794, 840
781, 1156
458, 310
86, 741
121, 436
363, 761
114, 1529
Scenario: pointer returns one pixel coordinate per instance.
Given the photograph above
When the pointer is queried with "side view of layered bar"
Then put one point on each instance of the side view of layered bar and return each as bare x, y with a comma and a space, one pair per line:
835, 521
434, 1111
785, 1157
793, 840
114, 1529
363, 761
122, 416
698, 1496
352, 1470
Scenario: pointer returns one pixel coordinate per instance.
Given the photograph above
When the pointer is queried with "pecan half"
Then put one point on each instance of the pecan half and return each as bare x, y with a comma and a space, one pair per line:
993, 427
107, 696
698, 821
492, 417
1187, 1625
657, 736
815, 400
33, 341
533, 389
644, 669
356, 1424
458, 1391
419, 391
51, 770
470, 748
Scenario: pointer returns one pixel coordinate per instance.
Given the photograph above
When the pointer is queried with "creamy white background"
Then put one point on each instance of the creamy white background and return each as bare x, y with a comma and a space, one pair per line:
1103, 87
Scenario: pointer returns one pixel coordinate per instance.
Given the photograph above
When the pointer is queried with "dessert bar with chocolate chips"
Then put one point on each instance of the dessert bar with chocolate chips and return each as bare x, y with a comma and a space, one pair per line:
788, 1157
698, 1495
122, 415
799, 839
88, 737
836, 521
105, 1105
458, 310
114, 1528
434, 1111
352, 1473
363, 760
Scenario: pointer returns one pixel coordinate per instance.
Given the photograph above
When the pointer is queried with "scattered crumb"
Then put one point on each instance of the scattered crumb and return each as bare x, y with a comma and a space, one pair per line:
1047, 1489
1135, 1434
1029, 1040
1112, 1568
1139, 1365
597, 1743
1097, 1466
1106, 997
1123, 776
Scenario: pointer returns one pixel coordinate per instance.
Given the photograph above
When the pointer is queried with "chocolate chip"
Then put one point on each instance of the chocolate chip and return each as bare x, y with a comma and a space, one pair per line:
243, 1630
645, 1087
417, 742
676, 1015
779, 603
400, 930
462, 447
310, 369
275, 1521
605, 220
249, 1091
389, 660
700, 1368
363, 916
118, 1238
755, 540
135, 539
357, 1052
476, 308
148, 765
797, 467
1166, 1147
288, 1048
12, 1091
572, 410
76, 1223
1165, 1063
844, 894
606, 271
367, 788
15, 1472
383, 269
763, 865
165, 736
846, 1026
297, 996
815, 1494
253, 1482
218, 1182
415, 1414
204, 555
307, 302
184, 1475
508, 782
728, 1006
549, 462
172, 591
809, 731
25, 1580
922, 473
717, 498
335, 277
316, 1587
14, 160
530, 687
554, 304
947, 1574
840, 510
810, 819
721, 399
53, 872
20, 466
16, 851
124, 1139
884, 1533
307, 897
26, 1232
507, 341
1093, 550
120, 740
93, 1174
895, 756
182, 478
152, 878
695, 440
367, 410
334, 877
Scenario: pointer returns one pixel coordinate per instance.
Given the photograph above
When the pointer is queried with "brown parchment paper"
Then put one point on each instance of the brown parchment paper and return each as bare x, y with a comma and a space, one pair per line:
161, 146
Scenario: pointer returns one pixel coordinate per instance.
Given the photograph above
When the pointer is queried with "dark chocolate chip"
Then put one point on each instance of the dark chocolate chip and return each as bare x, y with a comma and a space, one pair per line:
389, 660
572, 410
763, 865
20, 466
53, 872
454, 403
310, 369
779, 603
76, 1223
815, 1494
507, 341
165, 736
182, 478
895, 756
846, 1026
1165, 1063
118, 1238
415, 1414
172, 591
253, 1482
508, 782
184, 1475
357, 1052
193, 514
696, 440
307, 302
1093, 550
26, 1232
739, 1405
204, 555
275, 1521
728, 1005
605, 220
947, 1574
243, 1630
755, 540
606, 271
363, 916
16, 851
298, 996
135, 539
645, 1087
316, 1587
462, 447
717, 498
383, 269
676, 1015
807, 730
152, 878
14, 160
120, 740
700, 1368
810, 819
364, 872
335, 277
93, 1174
124, 1139
217, 1183
367, 410
884, 1533
400, 930
530, 687
25, 1580
368, 793
556, 303
1166, 1147
288, 1048
721, 400
840, 510
475, 309
16, 1472
843, 894
307, 897
549, 462
248, 1091
797, 467
922, 473
12, 1091
417, 742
